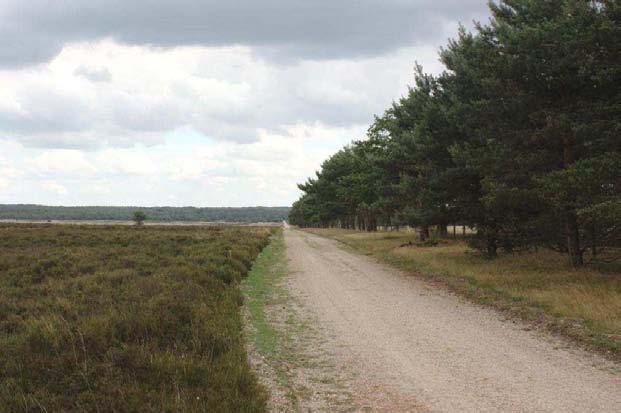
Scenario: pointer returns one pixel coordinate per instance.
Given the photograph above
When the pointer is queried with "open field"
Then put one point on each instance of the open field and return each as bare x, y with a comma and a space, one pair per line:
583, 304
125, 319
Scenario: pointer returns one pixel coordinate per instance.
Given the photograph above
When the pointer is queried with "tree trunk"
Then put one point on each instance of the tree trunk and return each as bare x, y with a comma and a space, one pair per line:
507, 245
424, 233
573, 238
492, 247
442, 230
593, 241
571, 220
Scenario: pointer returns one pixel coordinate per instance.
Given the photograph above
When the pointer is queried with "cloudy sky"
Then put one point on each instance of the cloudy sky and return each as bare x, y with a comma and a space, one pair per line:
204, 103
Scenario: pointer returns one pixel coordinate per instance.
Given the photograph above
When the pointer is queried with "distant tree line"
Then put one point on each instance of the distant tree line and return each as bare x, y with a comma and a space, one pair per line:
518, 138
154, 214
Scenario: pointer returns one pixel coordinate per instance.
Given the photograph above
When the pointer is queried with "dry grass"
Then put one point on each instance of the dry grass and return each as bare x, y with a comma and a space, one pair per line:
584, 304
125, 319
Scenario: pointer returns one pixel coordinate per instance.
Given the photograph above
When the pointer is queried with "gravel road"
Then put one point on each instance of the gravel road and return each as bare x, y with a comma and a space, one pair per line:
414, 347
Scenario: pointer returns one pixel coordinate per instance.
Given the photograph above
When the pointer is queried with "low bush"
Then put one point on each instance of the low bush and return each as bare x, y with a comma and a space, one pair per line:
125, 319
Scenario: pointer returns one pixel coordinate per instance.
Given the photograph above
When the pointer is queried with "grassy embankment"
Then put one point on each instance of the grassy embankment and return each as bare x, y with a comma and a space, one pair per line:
125, 319
541, 286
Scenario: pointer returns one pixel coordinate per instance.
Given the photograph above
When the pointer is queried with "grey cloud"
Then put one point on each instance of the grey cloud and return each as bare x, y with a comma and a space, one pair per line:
250, 94
34, 31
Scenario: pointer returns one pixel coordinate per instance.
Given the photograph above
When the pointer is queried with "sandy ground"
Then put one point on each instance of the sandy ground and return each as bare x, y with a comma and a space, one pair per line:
414, 347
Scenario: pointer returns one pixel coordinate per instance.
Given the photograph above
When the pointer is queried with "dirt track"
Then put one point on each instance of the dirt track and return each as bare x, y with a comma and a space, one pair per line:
416, 348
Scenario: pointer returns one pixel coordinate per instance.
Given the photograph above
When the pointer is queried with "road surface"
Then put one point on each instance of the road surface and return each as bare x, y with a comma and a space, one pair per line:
414, 347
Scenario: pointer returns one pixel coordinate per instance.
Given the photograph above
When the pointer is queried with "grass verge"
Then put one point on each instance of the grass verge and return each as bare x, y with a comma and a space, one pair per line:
285, 345
264, 291
263, 288
125, 319
540, 287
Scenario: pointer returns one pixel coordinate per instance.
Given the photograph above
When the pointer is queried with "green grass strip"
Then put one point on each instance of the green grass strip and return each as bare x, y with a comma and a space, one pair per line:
262, 288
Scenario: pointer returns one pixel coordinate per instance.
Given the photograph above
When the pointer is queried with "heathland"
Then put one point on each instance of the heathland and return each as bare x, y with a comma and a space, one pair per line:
125, 319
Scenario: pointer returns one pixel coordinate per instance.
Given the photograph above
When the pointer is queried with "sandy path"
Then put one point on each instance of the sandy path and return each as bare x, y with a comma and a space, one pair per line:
415, 347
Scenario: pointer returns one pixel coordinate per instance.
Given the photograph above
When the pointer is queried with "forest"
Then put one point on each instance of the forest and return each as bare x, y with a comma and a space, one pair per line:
156, 214
517, 138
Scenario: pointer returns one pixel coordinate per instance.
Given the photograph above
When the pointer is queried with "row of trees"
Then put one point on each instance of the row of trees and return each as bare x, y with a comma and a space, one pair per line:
518, 138
155, 214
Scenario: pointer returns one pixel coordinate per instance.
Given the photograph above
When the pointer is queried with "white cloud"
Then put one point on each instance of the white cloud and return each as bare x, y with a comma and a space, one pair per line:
198, 172
53, 186
227, 94
62, 161
8, 173
127, 162
94, 74
8, 176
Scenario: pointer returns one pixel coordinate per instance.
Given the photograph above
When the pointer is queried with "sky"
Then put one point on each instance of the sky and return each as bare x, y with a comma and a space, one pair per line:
202, 103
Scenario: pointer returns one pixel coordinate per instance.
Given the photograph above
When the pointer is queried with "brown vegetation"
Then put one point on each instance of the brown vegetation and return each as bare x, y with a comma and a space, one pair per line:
125, 319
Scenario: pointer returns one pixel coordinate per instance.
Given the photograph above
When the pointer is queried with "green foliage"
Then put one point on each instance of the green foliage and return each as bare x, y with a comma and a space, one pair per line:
518, 138
139, 217
155, 214
104, 318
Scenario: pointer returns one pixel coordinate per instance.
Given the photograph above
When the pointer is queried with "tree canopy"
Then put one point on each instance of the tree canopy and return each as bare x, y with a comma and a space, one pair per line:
519, 138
